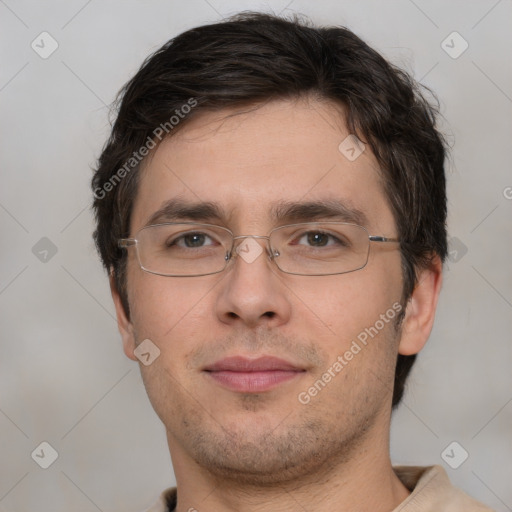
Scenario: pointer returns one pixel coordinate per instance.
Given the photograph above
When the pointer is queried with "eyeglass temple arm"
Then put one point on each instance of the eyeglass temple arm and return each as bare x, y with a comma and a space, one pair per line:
126, 242
375, 238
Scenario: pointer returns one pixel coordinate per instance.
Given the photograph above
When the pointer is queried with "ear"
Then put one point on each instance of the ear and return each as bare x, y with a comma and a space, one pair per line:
421, 308
123, 323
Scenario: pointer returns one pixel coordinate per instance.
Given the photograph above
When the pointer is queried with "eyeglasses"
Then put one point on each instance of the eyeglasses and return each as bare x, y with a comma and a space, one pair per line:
308, 249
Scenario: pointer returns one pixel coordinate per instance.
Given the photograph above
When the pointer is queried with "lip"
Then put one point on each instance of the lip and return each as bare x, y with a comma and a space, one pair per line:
252, 375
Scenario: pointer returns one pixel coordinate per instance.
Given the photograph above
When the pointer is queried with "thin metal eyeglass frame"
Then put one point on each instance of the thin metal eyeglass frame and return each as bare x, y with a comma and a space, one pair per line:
124, 243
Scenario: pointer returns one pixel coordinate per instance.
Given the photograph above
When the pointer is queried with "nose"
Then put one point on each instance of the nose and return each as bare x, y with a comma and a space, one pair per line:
253, 293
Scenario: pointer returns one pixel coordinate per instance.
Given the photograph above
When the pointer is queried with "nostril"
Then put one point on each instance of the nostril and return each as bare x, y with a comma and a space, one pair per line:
269, 314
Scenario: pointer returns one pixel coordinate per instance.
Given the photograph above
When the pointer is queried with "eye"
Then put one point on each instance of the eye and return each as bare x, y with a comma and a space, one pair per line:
191, 240
319, 239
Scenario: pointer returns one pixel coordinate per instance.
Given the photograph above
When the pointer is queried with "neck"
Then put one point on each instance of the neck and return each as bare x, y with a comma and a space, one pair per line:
364, 483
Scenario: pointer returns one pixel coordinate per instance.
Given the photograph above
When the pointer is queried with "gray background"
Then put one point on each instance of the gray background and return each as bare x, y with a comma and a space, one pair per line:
63, 376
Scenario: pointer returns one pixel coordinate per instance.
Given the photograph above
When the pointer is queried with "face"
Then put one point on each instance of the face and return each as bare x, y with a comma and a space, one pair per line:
213, 331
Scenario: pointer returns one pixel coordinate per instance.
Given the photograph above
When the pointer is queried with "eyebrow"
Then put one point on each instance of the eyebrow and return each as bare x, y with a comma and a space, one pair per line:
287, 212
333, 209
180, 210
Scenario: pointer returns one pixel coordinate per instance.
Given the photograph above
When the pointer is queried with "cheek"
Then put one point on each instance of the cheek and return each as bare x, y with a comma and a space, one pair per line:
347, 304
171, 313
175, 314
360, 343
151, 309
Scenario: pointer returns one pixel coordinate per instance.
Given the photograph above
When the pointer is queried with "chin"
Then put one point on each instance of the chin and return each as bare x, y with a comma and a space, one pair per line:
268, 456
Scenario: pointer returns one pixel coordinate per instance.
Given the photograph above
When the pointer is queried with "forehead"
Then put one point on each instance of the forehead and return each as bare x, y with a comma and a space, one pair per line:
248, 163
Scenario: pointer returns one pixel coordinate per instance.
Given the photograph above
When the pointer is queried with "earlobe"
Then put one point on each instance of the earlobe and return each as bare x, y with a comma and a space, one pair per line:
123, 322
421, 308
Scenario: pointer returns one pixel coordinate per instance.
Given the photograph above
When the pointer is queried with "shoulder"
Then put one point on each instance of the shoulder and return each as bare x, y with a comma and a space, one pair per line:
431, 490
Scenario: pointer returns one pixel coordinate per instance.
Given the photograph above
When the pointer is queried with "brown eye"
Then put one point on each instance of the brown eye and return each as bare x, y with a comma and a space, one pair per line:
191, 241
318, 239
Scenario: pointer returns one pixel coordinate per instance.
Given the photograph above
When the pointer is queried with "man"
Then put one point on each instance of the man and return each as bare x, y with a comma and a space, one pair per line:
271, 210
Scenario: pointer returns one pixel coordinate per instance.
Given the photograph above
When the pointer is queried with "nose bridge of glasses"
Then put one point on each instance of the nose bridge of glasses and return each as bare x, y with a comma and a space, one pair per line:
244, 249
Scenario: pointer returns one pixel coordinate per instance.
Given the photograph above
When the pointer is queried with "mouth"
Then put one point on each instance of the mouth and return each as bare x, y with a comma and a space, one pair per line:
246, 375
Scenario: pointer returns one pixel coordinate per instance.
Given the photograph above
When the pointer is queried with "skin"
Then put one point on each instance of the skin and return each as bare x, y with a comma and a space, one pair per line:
235, 451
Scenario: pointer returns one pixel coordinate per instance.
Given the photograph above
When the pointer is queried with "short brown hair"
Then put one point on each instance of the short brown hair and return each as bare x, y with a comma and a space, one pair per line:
253, 58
